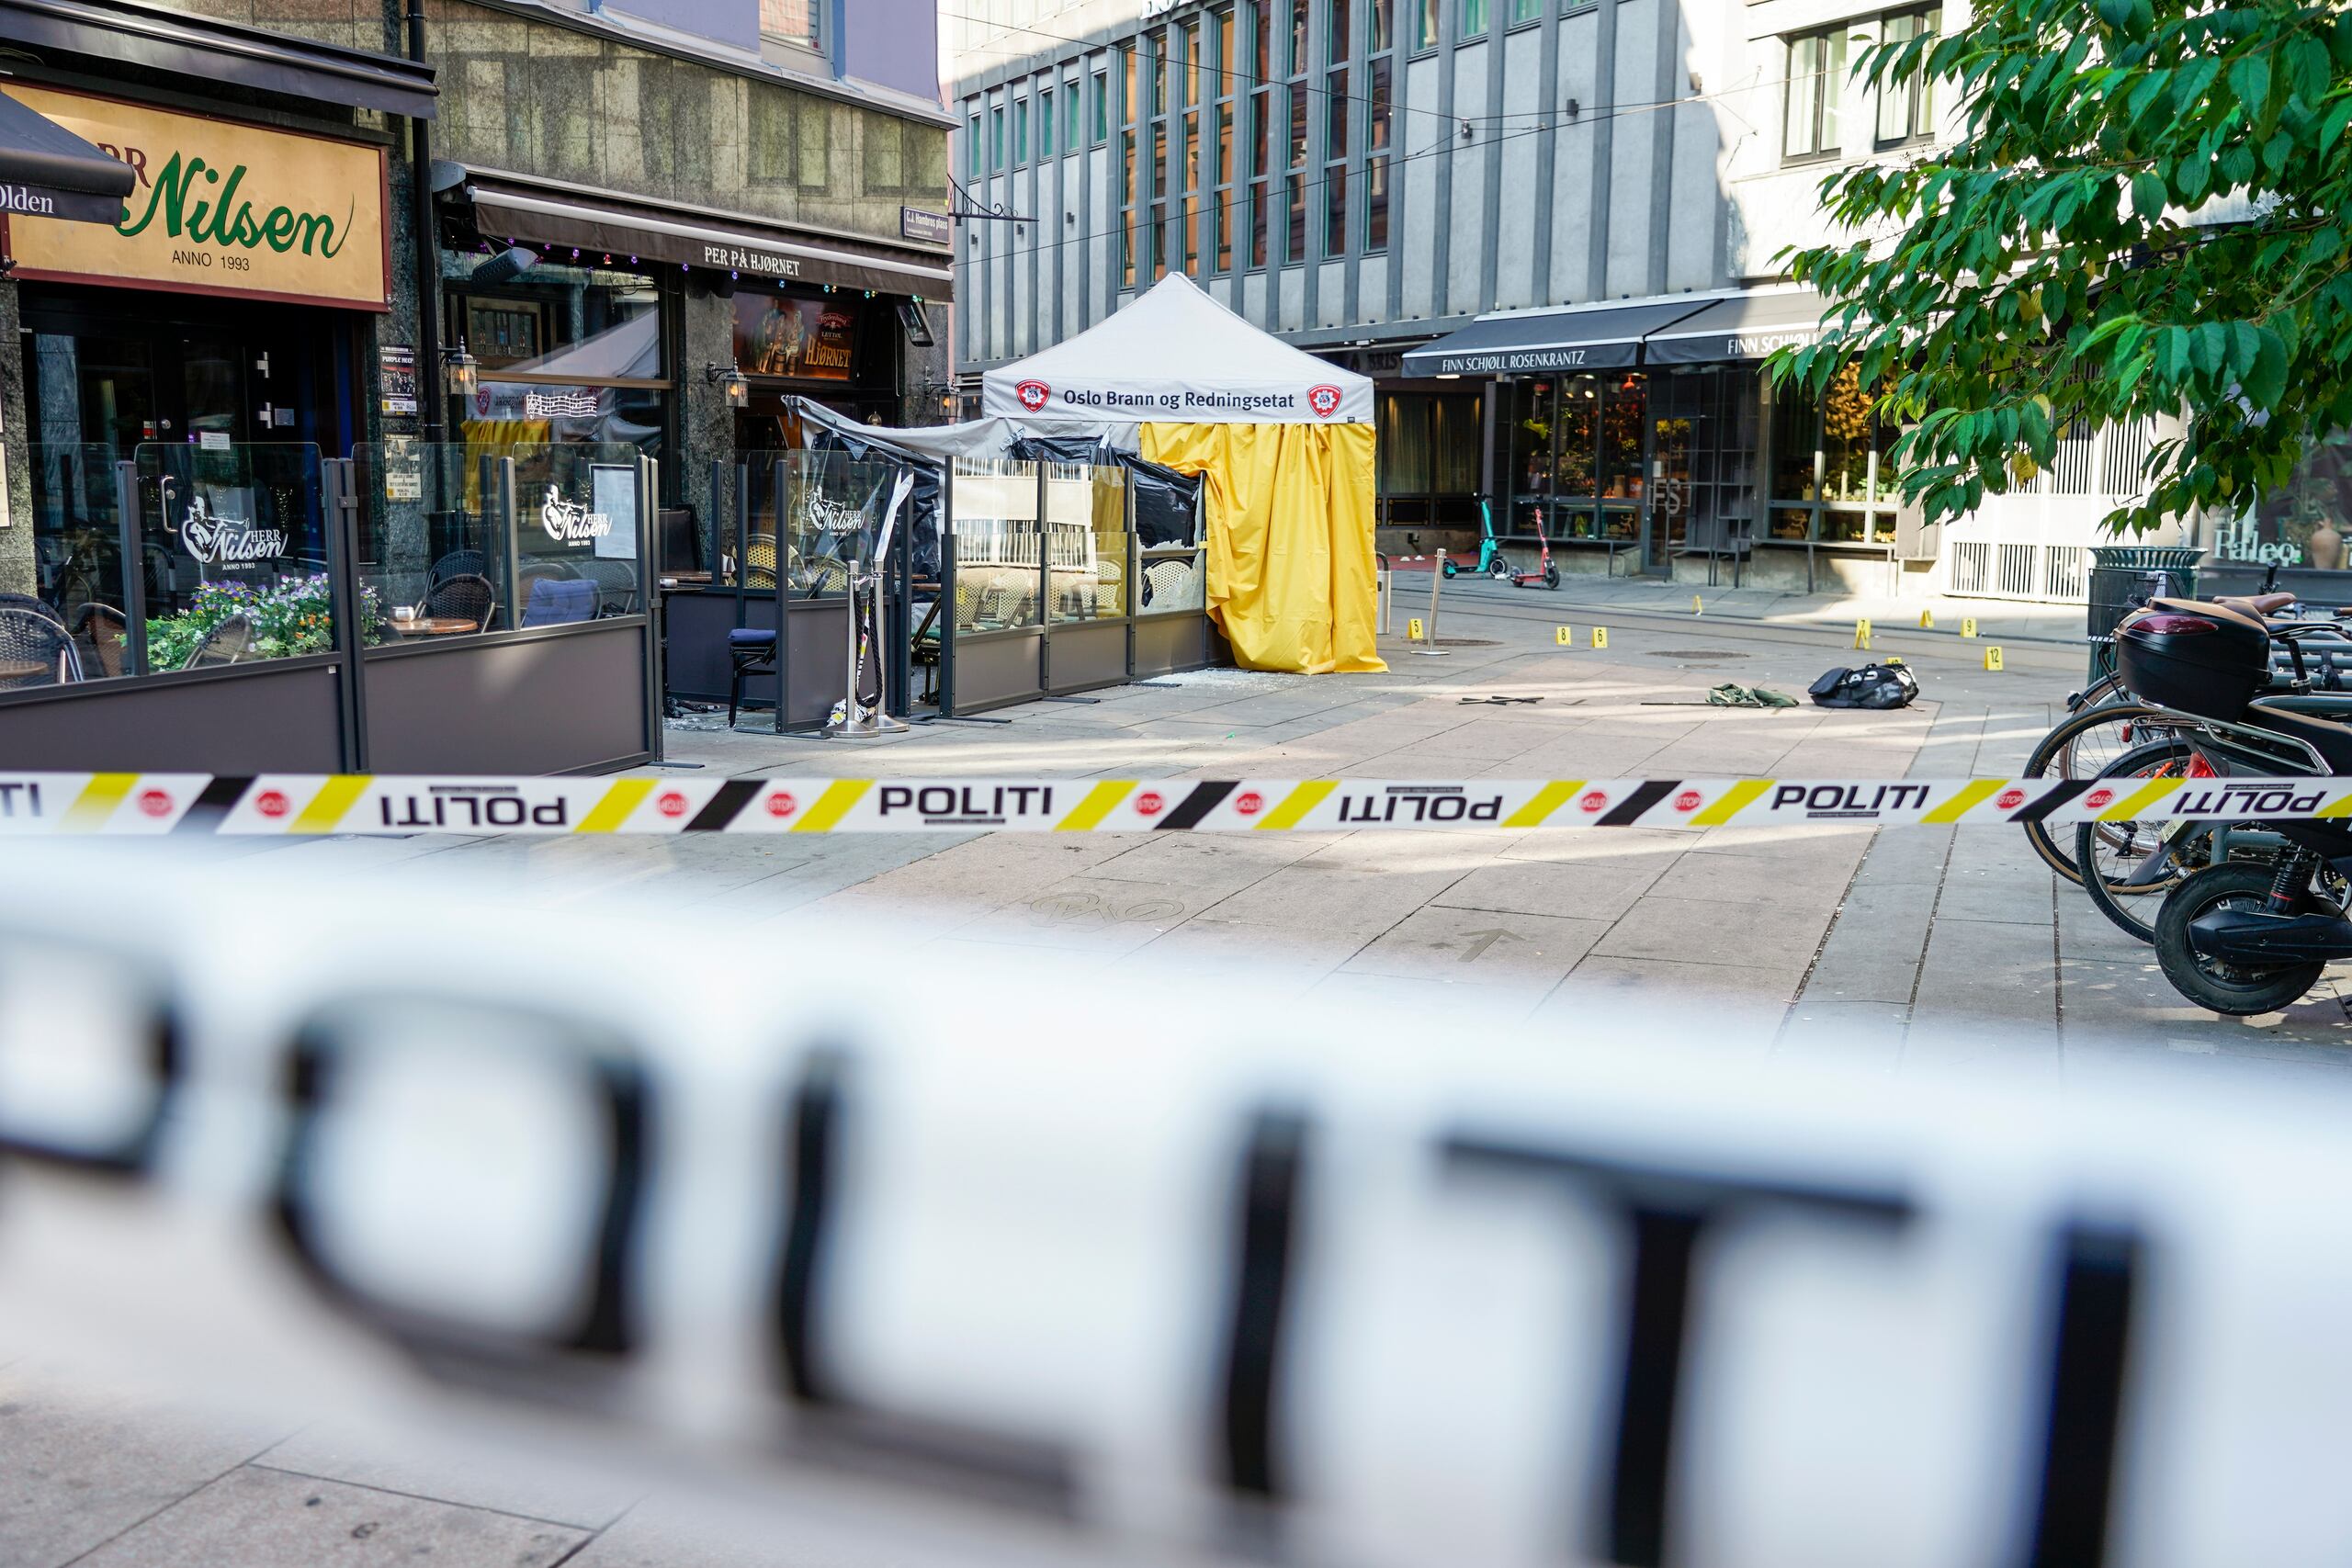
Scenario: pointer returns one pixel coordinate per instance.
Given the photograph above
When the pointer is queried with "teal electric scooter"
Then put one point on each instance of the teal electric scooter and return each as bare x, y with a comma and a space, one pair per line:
1493, 563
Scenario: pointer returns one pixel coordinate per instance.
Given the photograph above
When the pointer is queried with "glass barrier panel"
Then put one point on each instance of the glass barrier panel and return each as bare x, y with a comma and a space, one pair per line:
234, 548
1174, 582
996, 533
1085, 541
77, 574
835, 510
463, 538
577, 532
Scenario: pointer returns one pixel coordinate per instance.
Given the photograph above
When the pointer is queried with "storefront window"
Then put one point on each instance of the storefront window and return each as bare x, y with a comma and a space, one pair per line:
233, 540
566, 354
1624, 414
1833, 479
1430, 457
2304, 523
1534, 412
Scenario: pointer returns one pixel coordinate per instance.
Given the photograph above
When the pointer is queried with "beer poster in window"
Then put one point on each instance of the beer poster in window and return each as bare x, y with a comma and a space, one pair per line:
801, 339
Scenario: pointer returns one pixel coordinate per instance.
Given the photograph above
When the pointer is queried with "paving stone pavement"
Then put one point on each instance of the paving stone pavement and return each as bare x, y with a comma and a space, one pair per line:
1900, 945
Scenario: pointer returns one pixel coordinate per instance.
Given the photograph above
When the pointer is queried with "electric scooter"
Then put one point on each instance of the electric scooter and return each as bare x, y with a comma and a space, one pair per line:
1493, 563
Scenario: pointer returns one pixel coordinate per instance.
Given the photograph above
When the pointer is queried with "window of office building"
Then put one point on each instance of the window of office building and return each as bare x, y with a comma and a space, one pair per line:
975, 149
1157, 237
1227, 74
797, 22
1129, 194
1379, 83
1339, 110
1426, 22
1832, 476
1526, 11
1816, 79
1045, 123
1294, 146
1074, 132
1905, 105
1258, 149
1100, 90
1020, 131
1473, 18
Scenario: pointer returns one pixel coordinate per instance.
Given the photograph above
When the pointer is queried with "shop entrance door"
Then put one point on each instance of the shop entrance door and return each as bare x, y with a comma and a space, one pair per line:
1700, 461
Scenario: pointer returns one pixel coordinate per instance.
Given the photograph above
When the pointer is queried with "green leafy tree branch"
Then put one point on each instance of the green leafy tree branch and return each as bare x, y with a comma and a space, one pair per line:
2146, 215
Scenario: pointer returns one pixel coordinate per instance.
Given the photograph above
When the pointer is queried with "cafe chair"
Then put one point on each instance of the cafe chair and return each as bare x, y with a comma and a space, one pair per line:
226, 644
825, 575
751, 651
554, 602
28, 602
1172, 585
1110, 585
466, 597
925, 651
759, 561
104, 631
35, 649
458, 563
615, 584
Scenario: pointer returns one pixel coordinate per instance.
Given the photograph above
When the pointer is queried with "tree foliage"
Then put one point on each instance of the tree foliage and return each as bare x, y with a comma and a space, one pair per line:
2146, 215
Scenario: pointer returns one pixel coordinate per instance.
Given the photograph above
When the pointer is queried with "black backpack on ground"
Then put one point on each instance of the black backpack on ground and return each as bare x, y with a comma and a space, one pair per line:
1887, 686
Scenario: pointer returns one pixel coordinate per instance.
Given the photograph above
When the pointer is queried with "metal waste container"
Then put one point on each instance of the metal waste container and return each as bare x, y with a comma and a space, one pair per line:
2120, 582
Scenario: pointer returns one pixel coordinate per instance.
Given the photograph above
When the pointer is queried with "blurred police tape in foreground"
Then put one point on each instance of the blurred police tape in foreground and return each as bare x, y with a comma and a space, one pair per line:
297, 803
1148, 1269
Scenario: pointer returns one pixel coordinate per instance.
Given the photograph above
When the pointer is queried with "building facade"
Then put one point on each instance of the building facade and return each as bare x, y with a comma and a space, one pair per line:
1552, 231
621, 223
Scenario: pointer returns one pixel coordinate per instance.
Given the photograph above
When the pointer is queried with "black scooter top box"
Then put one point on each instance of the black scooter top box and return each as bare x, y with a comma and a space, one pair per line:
2193, 656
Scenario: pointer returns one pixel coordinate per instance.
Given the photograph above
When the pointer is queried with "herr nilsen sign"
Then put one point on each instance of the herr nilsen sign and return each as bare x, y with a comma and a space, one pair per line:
218, 208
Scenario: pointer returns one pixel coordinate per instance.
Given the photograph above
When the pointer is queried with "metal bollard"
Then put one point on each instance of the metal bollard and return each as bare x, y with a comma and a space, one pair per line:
1429, 648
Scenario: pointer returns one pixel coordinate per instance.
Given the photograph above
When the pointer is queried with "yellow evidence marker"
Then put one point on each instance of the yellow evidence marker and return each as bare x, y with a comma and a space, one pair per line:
1968, 625
1926, 620
1861, 634
1696, 608
1601, 636
1413, 629
1565, 636
1992, 656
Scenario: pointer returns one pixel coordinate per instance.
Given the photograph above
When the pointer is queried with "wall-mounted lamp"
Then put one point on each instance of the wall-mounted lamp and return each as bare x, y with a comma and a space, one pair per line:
460, 370
506, 265
730, 380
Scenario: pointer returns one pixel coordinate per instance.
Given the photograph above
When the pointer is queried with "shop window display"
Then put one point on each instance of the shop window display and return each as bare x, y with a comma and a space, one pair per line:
1834, 478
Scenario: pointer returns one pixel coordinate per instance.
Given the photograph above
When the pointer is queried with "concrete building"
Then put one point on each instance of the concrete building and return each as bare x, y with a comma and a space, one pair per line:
1551, 230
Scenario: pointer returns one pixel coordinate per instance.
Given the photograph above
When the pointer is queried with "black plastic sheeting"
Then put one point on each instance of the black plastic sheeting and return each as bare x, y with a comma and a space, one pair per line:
1167, 504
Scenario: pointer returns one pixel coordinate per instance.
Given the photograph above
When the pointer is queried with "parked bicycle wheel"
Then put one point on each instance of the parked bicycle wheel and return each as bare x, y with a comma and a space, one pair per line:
2234, 991
2128, 867
2082, 746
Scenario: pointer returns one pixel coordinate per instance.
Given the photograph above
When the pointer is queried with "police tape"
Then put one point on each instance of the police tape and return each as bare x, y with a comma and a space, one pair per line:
297, 804
1388, 1296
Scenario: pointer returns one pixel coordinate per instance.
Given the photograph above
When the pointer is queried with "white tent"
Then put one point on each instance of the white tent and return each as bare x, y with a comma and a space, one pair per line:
1177, 356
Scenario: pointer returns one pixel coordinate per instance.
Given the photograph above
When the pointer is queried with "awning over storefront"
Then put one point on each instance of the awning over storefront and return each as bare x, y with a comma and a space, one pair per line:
121, 33
46, 171
1594, 337
508, 209
1747, 327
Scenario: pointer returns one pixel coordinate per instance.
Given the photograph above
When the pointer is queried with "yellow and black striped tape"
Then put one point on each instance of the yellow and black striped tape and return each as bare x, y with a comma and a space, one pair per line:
298, 804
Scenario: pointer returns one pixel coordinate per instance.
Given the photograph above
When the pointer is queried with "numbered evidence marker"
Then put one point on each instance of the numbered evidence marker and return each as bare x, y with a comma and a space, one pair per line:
1992, 656
1861, 634
1968, 625
1565, 636
1696, 608
1926, 620
1413, 629
1601, 636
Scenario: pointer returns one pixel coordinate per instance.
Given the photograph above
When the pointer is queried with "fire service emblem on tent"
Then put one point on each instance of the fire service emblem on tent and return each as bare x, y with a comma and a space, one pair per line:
1324, 401
1033, 395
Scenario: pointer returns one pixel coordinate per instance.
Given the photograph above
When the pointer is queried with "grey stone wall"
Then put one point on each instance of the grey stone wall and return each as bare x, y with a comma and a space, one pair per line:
17, 572
563, 105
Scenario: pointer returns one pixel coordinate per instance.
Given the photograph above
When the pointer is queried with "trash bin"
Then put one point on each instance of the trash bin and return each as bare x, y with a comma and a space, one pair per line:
2119, 576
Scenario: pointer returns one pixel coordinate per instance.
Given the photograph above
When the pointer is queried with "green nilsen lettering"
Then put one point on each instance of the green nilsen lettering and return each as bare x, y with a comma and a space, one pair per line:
222, 220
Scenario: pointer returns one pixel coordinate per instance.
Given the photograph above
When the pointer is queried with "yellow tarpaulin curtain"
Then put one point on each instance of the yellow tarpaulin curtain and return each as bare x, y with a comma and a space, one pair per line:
1291, 568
